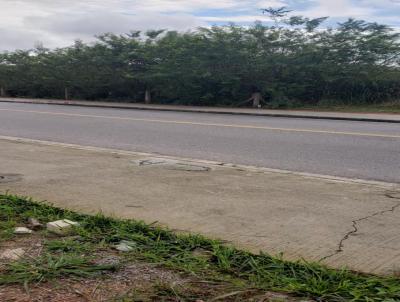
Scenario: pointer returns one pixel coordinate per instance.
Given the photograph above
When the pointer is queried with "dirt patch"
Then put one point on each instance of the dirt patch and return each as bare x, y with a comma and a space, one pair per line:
32, 245
134, 281
136, 278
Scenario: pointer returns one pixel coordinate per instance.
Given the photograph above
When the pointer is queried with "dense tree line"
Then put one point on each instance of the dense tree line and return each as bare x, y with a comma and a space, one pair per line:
294, 61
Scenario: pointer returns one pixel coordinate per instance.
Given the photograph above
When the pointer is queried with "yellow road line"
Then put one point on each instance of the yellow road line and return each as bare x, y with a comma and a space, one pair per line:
206, 124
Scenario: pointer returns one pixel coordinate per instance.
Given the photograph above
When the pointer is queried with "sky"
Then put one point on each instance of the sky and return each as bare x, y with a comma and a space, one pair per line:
57, 23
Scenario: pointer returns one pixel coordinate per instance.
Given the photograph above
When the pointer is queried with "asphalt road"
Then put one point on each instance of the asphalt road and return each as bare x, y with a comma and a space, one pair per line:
339, 148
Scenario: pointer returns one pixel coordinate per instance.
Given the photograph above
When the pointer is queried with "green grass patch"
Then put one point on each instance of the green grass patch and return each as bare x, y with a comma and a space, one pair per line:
159, 245
389, 107
7, 222
49, 267
69, 245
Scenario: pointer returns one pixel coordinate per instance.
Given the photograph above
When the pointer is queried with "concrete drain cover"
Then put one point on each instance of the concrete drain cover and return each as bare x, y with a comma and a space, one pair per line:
170, 164
151, 162
4, 178
187, 167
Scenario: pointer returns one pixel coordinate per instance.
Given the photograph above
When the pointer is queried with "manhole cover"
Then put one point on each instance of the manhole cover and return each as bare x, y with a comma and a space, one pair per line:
151, 162
170, 164
4, 178
187, 167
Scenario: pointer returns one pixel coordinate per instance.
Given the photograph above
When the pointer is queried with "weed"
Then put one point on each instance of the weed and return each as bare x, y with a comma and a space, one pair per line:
69, 245
48, 267
158, 245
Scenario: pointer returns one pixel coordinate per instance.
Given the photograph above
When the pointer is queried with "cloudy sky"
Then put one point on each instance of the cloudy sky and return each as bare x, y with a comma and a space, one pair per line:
58, 23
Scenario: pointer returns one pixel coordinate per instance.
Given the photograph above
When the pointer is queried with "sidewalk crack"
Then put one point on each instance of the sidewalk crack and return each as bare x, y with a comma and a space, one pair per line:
340, 247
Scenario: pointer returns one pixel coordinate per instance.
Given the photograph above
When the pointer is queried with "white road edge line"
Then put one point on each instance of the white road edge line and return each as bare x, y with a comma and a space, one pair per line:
380, 184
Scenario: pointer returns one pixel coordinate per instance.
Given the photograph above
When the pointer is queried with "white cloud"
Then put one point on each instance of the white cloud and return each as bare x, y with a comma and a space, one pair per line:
59, 22
381, 3
84, 25
23, 23
235, 19
338, 8
271, 3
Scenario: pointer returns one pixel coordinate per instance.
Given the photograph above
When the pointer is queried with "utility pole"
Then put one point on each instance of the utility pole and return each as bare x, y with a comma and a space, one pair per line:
256, 98
147, 96
66, 93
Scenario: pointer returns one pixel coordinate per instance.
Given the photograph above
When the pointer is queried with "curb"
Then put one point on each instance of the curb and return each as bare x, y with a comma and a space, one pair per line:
135, 107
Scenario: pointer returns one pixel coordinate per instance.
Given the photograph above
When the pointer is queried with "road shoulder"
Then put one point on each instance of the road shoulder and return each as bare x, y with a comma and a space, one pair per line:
302, 216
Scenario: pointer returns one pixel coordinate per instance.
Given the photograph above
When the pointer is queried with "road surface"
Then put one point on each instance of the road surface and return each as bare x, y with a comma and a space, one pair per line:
364, 150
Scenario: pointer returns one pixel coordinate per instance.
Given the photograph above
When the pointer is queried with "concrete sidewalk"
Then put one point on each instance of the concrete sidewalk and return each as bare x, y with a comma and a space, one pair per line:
367, 117
343, 223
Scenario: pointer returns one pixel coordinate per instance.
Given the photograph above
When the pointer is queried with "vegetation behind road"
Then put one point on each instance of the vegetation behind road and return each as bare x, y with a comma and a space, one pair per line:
295, 62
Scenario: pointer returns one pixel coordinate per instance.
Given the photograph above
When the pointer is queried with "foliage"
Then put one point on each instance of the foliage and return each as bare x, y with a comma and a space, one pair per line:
296, 61
154, 244
49, 267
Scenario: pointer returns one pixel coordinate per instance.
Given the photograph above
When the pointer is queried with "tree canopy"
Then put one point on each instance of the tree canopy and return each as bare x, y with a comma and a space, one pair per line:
293, 61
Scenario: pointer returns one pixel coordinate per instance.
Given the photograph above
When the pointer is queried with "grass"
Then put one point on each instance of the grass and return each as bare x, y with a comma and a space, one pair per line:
246, 271
49, 267
389, 107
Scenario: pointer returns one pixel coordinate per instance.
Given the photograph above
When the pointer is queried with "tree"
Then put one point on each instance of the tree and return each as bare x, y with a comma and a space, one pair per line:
293, 62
